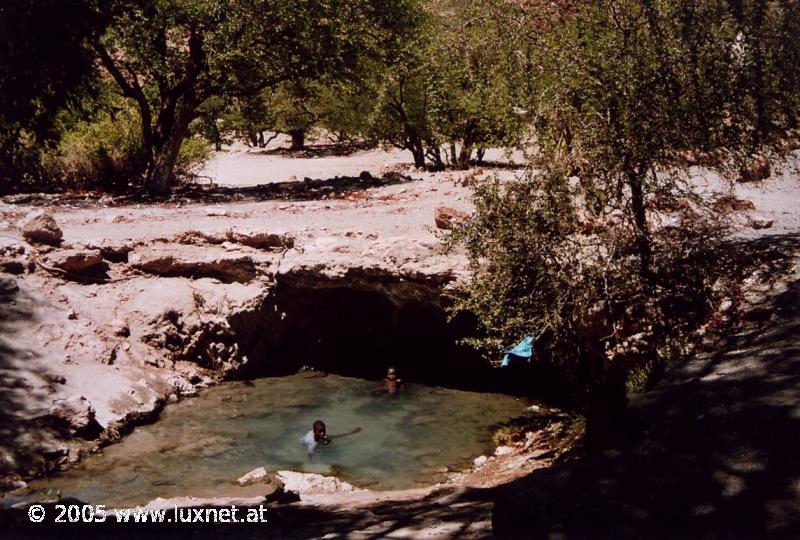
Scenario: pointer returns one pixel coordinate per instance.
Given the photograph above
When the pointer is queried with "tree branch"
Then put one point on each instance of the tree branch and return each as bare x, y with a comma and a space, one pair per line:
130, 90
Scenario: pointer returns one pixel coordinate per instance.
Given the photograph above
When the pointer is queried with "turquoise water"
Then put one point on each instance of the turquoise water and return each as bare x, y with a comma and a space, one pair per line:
201, 446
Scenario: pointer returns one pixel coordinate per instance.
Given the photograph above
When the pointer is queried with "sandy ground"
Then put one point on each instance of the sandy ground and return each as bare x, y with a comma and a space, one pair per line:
239, 165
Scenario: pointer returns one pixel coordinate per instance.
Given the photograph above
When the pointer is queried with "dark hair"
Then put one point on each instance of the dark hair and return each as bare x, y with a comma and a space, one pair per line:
319, 424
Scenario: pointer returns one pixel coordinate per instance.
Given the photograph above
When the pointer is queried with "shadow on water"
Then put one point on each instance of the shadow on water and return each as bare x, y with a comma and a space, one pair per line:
717, 457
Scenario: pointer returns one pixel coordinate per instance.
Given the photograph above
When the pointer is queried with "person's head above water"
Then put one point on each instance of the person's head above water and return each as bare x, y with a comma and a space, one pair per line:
319, 430
391, 373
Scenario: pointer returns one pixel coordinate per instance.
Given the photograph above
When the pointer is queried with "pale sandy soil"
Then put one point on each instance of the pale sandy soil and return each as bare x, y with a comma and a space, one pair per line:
239, 165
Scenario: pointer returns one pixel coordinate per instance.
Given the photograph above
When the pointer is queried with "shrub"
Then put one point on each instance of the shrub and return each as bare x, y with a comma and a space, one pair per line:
544, 267
194, 152
106, 152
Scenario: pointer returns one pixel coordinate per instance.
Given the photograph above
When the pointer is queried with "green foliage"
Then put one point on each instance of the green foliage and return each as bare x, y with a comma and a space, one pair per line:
450, 86
524, 272
45, 67
473, 98
171, 56
106, 151
195, 151
345, 108
627, 85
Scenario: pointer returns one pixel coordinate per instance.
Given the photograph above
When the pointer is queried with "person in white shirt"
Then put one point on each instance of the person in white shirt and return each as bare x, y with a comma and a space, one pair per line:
318, 435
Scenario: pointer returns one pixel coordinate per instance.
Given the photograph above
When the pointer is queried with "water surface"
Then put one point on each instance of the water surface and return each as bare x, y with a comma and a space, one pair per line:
201, 446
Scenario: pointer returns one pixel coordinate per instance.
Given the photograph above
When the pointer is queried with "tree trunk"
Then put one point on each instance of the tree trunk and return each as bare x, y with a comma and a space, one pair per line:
419, 155
643, 243
216, 136
413, 143
160, 174
468, 141
453, 158
479, 155
298, 139
252, 139
464, 156
435, 153
161, 171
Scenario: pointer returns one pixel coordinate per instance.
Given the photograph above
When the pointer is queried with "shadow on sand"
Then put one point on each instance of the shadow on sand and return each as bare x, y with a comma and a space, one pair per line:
308, 189
24, 386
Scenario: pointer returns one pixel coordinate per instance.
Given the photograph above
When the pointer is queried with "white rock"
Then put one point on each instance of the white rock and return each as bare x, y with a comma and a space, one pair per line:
254, 476
503, 451
480, 461
725, 305
310, 483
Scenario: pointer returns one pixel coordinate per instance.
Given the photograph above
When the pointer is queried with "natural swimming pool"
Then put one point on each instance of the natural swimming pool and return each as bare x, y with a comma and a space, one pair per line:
201, 446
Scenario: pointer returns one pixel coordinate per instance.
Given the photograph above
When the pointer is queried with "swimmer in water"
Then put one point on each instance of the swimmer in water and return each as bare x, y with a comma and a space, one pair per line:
319, 436
391, 384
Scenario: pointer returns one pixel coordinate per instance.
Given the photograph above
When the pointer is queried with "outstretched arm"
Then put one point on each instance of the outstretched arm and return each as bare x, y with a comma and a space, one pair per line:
356, 430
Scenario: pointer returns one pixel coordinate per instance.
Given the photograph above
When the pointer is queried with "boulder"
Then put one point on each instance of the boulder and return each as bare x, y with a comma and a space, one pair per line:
120, 327
311, 483
74, 261
182, 387
253, 239
8, 285
756, 170
261, 240
760, 223
729, 203
258, 475
480, 461
449, 218
40, 227
77, 414
194, 262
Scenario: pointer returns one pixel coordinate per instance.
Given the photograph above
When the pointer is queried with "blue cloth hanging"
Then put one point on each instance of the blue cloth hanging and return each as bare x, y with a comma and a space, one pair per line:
521, 351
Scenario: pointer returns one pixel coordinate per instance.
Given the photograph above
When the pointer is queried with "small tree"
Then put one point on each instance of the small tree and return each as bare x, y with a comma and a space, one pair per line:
473, 98
292, 109
403, 107
170, 56
450, 87
345, 107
